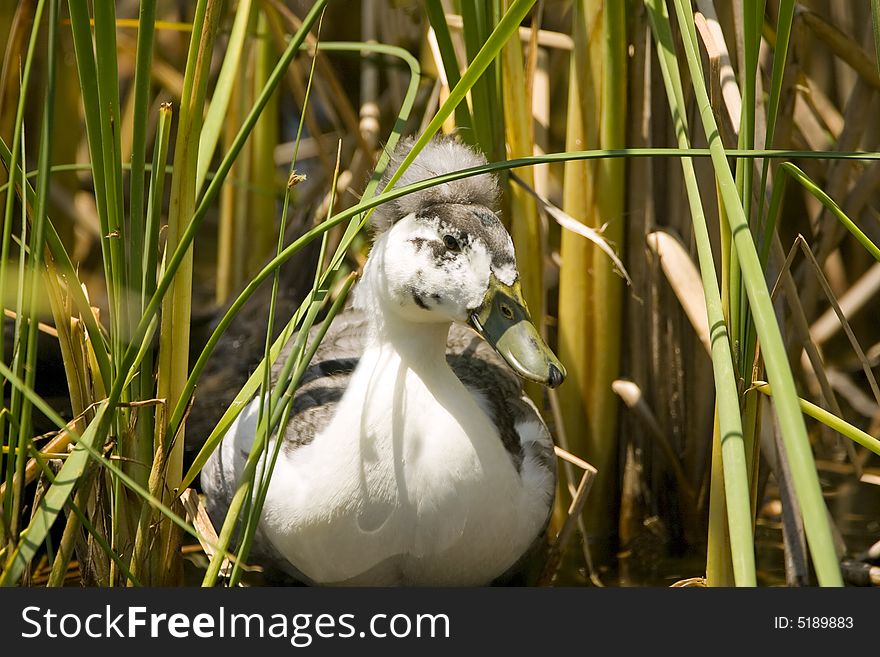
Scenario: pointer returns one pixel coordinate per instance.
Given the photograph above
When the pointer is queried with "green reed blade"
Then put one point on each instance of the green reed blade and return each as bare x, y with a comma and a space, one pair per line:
66, 270
213, 125
831, 421
807, 183
12, 500
788, 411
733, 458
437, 18
138, 240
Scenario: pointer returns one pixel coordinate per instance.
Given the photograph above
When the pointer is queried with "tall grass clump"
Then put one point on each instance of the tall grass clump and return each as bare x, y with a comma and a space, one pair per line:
130, 535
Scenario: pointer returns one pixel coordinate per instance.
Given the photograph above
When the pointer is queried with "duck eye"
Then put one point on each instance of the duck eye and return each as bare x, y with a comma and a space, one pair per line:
451, 243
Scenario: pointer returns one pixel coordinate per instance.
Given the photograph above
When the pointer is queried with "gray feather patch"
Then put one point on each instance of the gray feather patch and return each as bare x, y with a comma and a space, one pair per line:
441, 155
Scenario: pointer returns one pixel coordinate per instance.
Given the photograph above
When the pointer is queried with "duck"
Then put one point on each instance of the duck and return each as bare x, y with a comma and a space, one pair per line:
412, 456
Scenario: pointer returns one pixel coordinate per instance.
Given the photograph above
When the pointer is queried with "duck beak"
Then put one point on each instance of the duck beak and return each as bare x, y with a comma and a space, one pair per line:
503, 321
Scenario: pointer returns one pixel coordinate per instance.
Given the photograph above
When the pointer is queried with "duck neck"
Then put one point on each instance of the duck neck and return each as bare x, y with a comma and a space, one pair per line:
419, 343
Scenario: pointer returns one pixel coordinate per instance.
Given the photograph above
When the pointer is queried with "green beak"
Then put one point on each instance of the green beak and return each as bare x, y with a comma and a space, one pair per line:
503, 321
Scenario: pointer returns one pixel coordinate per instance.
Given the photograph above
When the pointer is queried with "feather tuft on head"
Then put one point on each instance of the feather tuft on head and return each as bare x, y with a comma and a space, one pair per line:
441, 155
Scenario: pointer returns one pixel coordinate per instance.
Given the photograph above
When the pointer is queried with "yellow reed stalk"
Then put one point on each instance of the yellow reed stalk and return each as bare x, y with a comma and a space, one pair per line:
525, 222
590, 292
261, 212
176, 307
719, 567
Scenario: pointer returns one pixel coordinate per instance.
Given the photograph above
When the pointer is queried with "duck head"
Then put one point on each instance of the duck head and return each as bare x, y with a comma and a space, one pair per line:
449, 258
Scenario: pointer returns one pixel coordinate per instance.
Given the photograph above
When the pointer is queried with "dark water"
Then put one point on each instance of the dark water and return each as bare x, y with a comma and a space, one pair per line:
854, 505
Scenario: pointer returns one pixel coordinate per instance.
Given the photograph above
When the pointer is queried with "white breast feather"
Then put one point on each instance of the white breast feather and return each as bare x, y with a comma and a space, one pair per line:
411, 488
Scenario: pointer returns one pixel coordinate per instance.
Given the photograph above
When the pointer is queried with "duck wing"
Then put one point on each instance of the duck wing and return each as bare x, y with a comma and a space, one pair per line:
327, 377
500, 393
314, 404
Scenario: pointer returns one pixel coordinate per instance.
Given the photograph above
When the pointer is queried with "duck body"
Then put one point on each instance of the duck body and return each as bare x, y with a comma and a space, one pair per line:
412, 456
